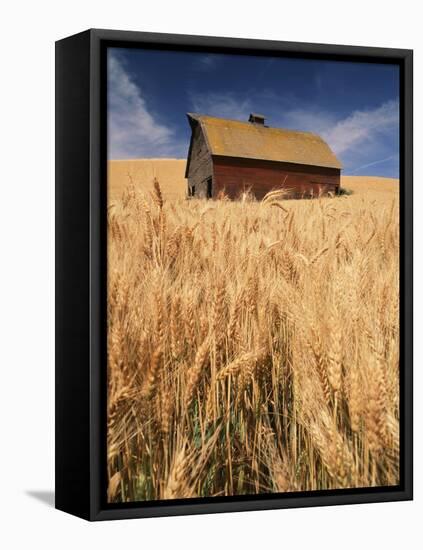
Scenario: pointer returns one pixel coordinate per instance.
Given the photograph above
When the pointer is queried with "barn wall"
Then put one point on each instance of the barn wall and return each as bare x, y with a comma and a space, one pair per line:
233, 176
200, 167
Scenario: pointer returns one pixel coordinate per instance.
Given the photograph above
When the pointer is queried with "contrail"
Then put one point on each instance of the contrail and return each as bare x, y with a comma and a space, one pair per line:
373, 163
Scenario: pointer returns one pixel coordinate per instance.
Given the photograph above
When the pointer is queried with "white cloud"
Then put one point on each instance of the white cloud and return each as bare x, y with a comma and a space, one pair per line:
225, 105
365, 138
307, 120
133, 132
361, 127
205, 62
347, 134
375, 163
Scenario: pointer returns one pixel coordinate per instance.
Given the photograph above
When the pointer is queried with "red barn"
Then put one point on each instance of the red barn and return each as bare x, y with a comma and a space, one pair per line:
231, 157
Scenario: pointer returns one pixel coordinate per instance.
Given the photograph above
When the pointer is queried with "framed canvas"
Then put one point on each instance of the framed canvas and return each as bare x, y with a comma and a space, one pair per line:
233, 274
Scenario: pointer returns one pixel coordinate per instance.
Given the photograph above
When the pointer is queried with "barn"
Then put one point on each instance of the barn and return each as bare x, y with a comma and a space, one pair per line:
230, 157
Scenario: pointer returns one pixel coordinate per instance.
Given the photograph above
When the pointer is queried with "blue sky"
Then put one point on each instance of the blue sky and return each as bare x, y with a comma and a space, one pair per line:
353, 106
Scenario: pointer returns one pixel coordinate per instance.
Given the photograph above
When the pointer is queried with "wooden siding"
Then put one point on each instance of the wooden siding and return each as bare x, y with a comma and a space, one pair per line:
233, 176
200, 167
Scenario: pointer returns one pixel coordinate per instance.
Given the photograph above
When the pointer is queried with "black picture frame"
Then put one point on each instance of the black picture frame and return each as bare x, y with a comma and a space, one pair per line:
81, 144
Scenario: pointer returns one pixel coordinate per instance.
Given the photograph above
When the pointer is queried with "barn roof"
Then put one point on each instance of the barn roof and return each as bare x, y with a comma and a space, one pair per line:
233, 138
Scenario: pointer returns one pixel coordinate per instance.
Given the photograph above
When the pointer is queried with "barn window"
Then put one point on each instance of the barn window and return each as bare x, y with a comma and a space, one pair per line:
192, 190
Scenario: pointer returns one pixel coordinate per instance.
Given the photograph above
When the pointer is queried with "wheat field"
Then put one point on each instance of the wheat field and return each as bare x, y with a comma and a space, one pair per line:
253, 347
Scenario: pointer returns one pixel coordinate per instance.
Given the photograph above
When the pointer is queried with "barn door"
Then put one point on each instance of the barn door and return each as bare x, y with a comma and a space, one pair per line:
209, 188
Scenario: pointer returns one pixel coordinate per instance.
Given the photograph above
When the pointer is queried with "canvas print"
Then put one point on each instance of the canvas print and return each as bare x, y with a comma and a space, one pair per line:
253, 275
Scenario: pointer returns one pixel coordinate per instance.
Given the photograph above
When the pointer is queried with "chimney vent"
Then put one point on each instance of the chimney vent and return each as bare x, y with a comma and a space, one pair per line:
256, 119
